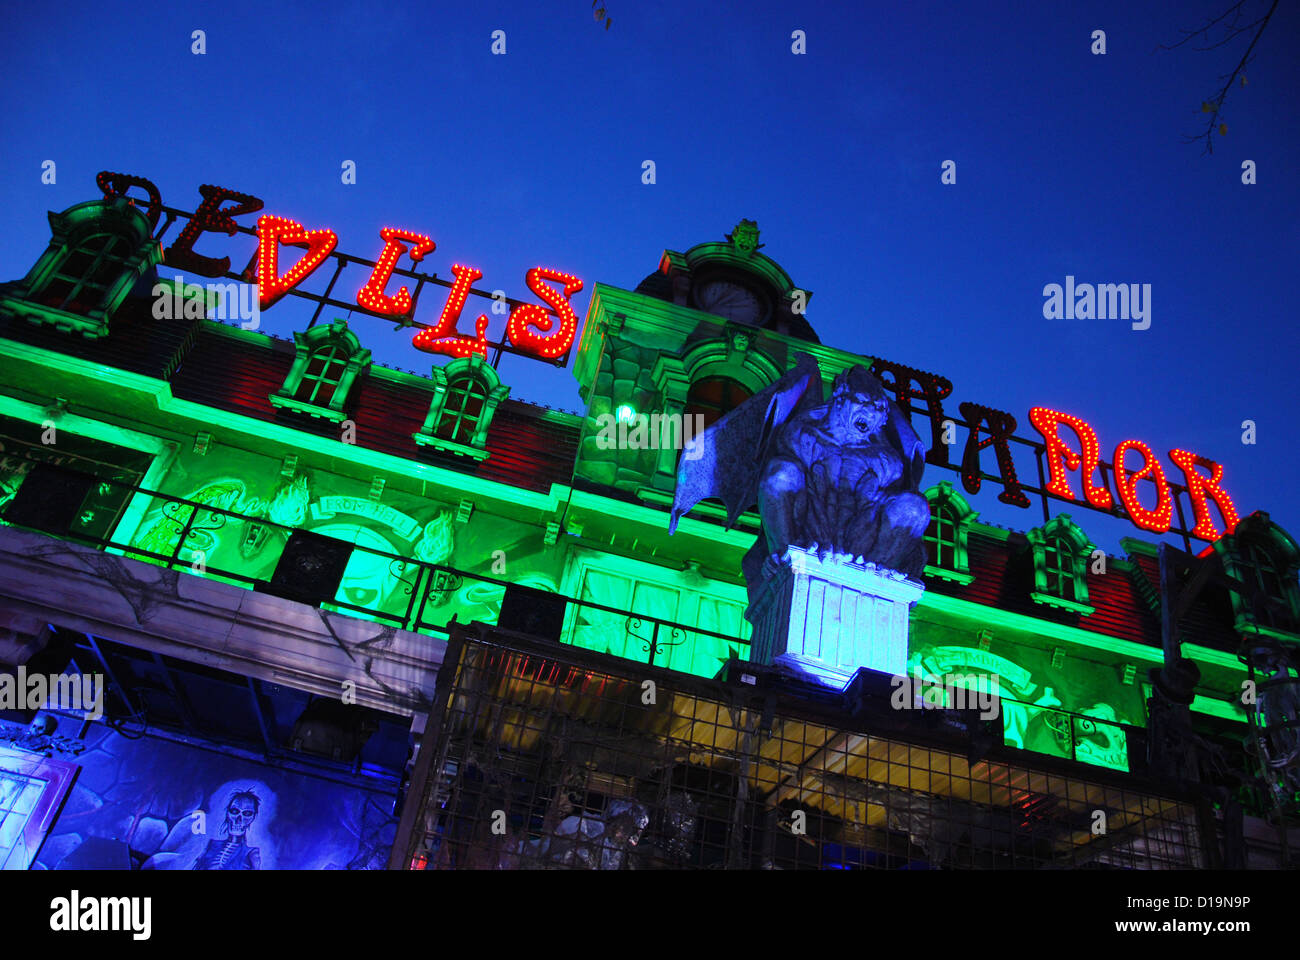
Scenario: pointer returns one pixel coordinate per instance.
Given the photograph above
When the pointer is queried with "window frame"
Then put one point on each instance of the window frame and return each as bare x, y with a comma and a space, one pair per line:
1258, 532
131, 248
336, 338
1061, 535
445, 391
950, 507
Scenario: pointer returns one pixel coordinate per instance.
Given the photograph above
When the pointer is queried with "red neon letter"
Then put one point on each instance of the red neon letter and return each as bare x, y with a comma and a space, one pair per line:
1002, 426
210, 216
1198, 485
116, 185
442, 337
1061, 458
933, 390
530, 314
1157, 520
372, 295
273, 231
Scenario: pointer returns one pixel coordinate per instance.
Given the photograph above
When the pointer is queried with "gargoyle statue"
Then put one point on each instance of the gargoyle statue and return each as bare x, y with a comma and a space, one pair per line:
840, 476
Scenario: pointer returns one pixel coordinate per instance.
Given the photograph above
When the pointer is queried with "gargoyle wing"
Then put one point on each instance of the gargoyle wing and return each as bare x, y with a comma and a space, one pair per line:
725, 461
903, 438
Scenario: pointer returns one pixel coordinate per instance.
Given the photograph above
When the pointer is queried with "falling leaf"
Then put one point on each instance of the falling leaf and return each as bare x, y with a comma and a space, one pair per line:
1205, 106
608, 21
1223, 129
1243, 79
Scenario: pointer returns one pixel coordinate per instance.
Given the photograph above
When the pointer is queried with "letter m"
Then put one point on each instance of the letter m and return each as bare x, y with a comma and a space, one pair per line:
1111, 292
228, 300
66, 690
119, 909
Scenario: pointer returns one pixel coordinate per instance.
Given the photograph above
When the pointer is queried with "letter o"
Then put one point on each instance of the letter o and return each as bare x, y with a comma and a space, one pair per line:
1157, 520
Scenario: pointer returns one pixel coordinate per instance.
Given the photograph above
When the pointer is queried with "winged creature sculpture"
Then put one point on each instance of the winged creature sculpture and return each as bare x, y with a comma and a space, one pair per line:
838, 475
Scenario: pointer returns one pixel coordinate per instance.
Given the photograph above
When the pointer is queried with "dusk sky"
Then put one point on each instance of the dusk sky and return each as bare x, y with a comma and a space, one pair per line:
1067, 164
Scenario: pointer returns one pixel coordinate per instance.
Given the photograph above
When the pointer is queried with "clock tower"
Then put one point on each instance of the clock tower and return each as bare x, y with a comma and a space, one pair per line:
708, 329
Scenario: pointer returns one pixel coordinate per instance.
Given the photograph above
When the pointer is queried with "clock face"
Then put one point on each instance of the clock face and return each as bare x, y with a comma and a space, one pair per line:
729, 300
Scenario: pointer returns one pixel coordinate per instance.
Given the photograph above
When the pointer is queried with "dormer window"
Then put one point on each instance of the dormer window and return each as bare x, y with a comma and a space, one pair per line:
1060, 555
1265, 559
97, 253
327, 361
946, 556
466, 394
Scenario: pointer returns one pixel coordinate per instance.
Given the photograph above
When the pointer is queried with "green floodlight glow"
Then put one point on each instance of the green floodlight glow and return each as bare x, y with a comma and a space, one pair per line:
625, 414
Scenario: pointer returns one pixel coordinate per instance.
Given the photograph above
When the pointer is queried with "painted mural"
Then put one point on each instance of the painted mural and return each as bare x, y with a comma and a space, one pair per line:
388, 531
23, 445
144, 802
1038, 699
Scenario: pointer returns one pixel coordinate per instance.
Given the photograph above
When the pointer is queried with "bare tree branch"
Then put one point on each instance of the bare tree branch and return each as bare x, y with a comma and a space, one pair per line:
1232, 30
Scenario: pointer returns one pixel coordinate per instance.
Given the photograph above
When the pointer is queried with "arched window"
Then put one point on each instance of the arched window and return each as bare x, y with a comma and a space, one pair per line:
715, 397
1060, 555
466, 393
946, 537
941, 539
97, 252
326, 363
1265, 559
1058, 567
82, 277
325, 369
466, 396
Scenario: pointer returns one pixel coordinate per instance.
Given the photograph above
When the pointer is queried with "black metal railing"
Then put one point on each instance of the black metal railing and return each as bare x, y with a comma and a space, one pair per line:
424, 598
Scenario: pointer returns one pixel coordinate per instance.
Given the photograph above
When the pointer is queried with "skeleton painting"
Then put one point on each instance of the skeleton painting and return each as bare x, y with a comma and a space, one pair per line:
232, 851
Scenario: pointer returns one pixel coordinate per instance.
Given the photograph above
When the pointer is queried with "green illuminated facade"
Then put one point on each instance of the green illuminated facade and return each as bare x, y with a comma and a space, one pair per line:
212, 444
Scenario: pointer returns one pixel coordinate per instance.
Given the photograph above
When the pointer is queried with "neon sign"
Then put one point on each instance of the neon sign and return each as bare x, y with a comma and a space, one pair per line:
1065, 456
545, 332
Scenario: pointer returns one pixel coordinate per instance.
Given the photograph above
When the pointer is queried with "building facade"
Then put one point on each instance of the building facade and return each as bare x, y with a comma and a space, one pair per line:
281, 567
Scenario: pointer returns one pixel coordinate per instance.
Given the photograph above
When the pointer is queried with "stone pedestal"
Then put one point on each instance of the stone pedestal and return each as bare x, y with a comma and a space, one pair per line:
828, 617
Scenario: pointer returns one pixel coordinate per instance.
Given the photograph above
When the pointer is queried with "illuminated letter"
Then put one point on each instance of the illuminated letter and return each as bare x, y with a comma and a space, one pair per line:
372, 295
273, 231
1061, 458
210, 216
521, 318
1157, 520
1198, 485
933, 390
442, 336
116, 185
1001, 426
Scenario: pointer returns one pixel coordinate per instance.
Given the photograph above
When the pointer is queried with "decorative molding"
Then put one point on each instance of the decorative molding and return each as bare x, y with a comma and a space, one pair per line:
306, 345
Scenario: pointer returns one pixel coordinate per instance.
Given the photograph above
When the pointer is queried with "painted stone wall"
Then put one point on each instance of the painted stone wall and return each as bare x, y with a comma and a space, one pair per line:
625, 377
133, 803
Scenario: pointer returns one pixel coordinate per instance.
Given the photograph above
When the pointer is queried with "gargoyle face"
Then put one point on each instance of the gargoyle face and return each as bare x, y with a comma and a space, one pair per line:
859, 407
856, 418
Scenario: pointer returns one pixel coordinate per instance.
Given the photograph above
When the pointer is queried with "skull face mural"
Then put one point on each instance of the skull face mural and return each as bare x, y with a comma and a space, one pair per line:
240, 814
234, 853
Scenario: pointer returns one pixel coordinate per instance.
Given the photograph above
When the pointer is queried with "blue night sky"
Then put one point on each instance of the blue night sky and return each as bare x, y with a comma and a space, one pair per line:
1067, 163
